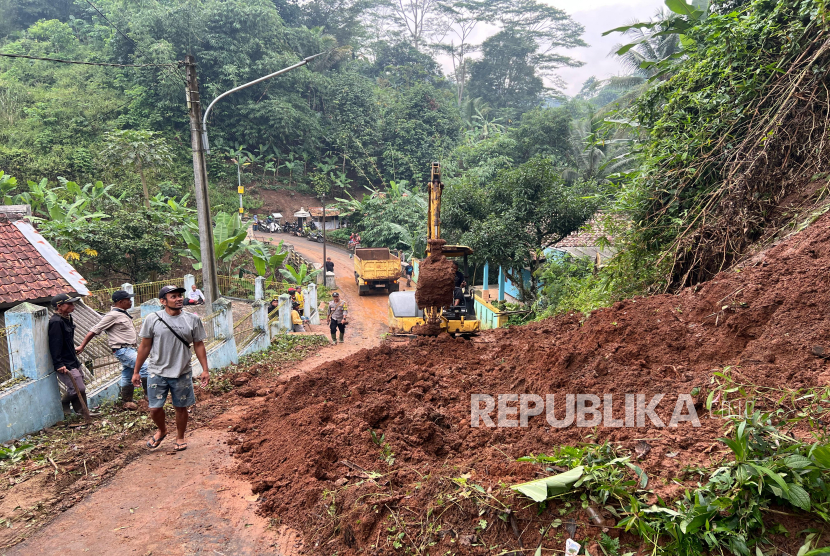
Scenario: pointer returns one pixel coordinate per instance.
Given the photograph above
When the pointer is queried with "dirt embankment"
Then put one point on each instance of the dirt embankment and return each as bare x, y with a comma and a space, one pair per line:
760, 320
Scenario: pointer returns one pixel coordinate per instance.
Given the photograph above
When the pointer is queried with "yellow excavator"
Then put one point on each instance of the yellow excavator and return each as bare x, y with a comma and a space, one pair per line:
460, 319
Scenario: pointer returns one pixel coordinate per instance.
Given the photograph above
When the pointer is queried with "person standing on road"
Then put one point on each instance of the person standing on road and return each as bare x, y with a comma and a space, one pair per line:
61, 333
408, 273
338, 317
329, 265
121, 338
165, 338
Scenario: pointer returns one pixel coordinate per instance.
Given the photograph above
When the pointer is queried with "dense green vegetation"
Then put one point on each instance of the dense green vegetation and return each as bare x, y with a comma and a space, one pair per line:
369, 115
684, 155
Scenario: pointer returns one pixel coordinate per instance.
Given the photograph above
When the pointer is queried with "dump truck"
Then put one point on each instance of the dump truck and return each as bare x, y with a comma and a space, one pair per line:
375, 268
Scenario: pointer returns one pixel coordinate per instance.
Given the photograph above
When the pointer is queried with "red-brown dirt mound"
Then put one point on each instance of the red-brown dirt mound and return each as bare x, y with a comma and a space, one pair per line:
761, 320
436, 278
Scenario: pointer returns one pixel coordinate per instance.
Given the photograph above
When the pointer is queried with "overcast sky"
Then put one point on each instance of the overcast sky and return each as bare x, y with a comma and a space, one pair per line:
597, 16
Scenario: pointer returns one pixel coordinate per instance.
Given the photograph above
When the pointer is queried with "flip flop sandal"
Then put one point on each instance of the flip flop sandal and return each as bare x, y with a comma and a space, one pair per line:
180, 446
154, 443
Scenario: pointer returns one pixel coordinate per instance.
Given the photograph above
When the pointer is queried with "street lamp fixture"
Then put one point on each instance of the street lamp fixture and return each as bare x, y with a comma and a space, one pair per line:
205, 143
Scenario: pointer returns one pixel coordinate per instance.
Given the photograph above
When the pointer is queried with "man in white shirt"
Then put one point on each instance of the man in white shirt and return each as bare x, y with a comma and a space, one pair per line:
194, 296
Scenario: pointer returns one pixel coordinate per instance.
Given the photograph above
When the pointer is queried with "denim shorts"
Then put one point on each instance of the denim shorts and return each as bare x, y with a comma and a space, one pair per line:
180, 389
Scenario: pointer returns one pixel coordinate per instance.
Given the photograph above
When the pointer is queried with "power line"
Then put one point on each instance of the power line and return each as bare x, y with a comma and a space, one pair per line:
110, 22
90, 63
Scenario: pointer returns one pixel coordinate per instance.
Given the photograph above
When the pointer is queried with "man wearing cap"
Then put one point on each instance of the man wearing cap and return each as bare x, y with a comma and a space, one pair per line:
61, 332
337, 317
166, 337
121, 338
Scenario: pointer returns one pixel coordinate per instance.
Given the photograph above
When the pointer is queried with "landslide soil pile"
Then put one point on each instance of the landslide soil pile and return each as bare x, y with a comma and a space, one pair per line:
760, 321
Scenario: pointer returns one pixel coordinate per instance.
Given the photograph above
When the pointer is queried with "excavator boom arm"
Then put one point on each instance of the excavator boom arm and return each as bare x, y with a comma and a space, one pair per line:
434, 190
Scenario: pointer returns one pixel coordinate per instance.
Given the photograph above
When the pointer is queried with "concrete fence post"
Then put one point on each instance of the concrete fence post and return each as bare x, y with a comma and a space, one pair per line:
486, 282
225, 353
127, 287
260, 316
501, 284
259, 288
311, 309
149, 307
28, 341
35, 404
262, 340
189, 280
285, 313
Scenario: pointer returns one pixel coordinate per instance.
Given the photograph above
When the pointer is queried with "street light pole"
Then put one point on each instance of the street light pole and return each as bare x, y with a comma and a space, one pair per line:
201, 147
325, 272
210, 282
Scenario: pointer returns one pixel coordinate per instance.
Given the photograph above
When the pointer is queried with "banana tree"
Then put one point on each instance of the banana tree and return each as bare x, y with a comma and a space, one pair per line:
299, 277
229, 235
265, 262
293, 165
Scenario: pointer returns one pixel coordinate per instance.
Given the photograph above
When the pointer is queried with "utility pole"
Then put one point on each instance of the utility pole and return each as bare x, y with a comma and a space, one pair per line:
210, 283
324, 239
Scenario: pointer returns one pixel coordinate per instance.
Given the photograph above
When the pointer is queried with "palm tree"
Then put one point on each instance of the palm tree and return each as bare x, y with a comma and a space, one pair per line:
595, 152
652, 47
658, 43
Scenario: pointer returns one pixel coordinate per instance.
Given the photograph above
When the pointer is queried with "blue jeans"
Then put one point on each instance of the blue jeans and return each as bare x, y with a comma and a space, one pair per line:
181, 390
126, 356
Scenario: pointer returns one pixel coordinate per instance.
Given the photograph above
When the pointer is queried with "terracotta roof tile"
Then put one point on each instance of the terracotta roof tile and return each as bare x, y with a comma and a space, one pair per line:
25, 274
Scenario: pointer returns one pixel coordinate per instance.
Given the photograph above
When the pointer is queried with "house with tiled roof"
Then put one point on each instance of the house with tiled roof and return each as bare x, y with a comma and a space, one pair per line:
31, 269
586, 242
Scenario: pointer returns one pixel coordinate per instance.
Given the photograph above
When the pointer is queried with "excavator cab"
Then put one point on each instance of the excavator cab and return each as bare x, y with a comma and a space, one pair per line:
466, 308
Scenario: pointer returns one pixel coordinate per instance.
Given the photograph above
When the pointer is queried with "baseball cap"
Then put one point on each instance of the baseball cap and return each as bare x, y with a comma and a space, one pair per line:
119, 295
62, 298
170, 289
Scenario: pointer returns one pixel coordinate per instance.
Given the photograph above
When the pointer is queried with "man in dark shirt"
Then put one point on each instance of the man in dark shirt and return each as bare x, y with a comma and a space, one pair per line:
460, 282
329, 265
61, 332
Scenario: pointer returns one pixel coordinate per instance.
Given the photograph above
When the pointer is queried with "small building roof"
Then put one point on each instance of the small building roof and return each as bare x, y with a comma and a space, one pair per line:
302, 213
30, 268
330, 211
585, 241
